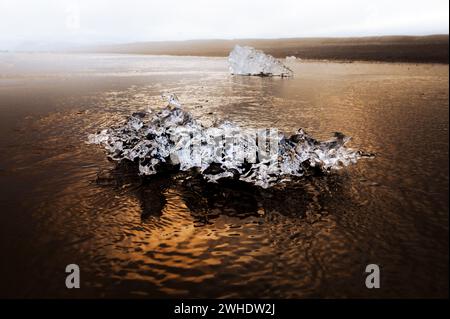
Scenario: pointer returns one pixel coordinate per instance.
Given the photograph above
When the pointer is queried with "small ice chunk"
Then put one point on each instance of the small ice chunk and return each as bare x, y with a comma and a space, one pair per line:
249, 61
172, 99
99, 138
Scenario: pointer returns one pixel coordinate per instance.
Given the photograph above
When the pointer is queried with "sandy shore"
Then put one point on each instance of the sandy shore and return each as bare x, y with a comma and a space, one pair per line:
416, 49
205, 241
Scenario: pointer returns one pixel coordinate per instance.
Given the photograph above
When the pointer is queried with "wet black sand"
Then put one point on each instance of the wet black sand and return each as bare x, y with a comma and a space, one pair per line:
62, 201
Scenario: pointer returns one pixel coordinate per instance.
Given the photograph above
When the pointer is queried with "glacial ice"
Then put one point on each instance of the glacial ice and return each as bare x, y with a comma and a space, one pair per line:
245, 60
172, 137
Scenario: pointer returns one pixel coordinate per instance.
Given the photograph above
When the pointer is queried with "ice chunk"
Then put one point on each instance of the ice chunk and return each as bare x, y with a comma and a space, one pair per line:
291, 60
171, 98
173, 137
246, 60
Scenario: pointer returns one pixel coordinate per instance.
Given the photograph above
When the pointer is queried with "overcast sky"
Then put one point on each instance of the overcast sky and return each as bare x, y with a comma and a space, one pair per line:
27, 22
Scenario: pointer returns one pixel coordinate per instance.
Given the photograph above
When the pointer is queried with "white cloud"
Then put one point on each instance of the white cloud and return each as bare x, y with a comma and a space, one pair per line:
91, 21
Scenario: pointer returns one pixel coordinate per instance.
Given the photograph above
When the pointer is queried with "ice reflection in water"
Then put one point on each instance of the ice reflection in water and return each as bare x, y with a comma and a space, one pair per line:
202, 233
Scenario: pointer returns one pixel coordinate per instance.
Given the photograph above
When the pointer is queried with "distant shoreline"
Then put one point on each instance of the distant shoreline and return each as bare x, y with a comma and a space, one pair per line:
412, 49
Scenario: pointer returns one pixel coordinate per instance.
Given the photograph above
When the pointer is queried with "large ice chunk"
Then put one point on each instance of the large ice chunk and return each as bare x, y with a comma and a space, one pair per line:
246, 60
172, 136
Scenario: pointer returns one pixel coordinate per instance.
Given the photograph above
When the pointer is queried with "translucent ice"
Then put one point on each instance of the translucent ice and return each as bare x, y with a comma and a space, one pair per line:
172, 137
249, 61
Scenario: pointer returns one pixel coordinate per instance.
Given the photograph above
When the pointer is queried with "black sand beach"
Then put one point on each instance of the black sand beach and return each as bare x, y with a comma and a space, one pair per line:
414, 49
62, 201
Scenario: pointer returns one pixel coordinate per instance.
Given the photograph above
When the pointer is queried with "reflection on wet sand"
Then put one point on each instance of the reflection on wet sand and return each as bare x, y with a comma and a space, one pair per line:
207, 201
196, 232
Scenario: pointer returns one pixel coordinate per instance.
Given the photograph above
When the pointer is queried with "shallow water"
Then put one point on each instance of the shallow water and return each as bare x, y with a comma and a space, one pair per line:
62, 202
